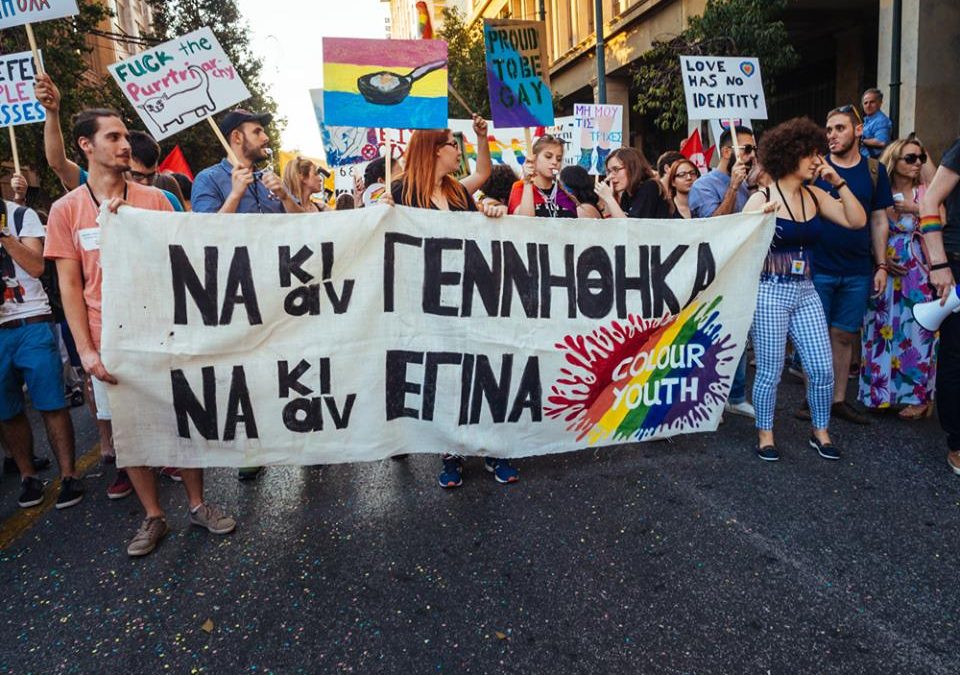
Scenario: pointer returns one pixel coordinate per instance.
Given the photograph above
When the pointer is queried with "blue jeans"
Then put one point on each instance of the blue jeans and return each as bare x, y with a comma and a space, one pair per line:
738, 390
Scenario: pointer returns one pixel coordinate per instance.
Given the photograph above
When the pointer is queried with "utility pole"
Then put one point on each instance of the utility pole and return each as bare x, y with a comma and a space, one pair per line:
543, 10
601, 54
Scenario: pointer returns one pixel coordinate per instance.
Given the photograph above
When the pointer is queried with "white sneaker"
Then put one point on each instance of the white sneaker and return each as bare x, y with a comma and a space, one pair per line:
742, 408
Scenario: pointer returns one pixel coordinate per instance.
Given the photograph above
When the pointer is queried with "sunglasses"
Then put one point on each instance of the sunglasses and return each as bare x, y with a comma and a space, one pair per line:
452, 144
748, 149
850, 108
911, 158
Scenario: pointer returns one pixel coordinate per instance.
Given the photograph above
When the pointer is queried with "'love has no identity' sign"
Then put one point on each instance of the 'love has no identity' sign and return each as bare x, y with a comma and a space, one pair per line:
20, 12
18, 102
517, 73
722, 87
179, 83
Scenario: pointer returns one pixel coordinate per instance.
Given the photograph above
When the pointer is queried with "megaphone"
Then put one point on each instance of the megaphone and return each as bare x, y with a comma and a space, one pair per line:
931, 314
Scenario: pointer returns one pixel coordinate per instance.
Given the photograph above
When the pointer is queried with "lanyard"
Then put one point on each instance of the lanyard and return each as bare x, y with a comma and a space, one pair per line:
94, 198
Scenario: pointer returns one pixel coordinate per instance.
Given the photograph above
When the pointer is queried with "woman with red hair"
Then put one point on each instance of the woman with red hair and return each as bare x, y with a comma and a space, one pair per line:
432, 156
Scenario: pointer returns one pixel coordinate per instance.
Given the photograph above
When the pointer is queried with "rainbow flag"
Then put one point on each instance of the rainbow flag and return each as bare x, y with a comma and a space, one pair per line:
394, 84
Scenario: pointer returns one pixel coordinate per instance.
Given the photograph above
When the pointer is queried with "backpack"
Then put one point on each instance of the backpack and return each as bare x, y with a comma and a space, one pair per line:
49, 280
874, 166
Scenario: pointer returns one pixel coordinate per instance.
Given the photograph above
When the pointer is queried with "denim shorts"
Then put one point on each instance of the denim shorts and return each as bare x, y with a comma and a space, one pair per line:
29, 354
844, 299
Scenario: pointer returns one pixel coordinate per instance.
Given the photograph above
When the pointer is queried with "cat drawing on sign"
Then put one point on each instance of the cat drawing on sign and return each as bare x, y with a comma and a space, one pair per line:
170, 108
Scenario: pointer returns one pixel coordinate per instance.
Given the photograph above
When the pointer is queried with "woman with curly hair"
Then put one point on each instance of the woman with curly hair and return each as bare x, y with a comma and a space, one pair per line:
787, 302
899, 356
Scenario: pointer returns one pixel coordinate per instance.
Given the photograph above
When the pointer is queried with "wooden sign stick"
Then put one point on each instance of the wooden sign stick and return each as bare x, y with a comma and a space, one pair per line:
13, 149
223, 141
736, 141
388, 173
33, 48
460, 100
528, 137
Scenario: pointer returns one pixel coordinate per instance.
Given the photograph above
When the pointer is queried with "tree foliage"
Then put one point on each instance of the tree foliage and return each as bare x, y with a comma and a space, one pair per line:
173, 18
63, 47
466, 70
726, 28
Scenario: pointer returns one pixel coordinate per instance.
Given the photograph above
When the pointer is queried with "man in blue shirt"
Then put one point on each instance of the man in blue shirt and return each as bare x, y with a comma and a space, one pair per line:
877, 127
724, 189
720, 192
845, 271
224, 188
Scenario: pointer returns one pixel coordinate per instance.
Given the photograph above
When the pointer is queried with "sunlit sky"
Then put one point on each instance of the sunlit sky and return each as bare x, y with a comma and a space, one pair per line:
288, 42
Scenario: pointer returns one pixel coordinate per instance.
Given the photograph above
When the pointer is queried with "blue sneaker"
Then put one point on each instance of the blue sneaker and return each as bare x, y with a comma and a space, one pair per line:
452, 474
501, 470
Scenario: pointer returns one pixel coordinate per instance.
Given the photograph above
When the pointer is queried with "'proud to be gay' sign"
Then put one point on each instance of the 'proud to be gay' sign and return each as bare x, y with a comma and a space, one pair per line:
518, 76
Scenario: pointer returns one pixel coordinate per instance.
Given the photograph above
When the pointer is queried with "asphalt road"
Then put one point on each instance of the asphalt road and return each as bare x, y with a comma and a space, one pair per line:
683, 557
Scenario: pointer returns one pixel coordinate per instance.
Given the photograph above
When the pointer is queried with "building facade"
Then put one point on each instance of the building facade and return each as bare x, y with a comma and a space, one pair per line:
133, 20
845, 46
404, 18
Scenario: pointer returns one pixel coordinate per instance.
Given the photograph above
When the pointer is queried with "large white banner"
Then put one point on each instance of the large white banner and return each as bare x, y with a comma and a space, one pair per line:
347, 336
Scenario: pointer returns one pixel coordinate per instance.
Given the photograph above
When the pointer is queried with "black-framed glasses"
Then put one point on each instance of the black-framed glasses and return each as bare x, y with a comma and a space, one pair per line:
850, 108
140, 176
912, 157
452, 144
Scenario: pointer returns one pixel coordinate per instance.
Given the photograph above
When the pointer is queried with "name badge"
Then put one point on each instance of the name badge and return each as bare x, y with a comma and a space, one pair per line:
798, 267
89, 238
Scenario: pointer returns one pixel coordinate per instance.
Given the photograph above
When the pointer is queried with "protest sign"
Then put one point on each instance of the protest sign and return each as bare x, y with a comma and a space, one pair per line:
18, 102
181, 82
722, 87
600, 131
20, 12
394, 84
517, 73
355, 335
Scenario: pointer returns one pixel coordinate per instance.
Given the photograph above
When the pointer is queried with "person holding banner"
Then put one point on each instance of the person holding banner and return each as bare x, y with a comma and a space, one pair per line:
680, 179
224, 188
73, 241
632, 188
432, 156
787, 302
539, 193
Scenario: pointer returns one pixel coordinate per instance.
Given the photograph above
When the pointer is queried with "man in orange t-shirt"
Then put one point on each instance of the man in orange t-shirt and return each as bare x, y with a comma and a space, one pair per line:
73, 241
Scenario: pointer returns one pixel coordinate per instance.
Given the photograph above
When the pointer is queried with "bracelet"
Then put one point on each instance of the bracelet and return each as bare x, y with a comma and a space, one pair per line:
930, 224
840, 187
939, 266
881, 266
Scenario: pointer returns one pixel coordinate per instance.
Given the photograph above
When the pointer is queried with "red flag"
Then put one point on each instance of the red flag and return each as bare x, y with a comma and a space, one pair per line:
692, 149
176, 162
424, 26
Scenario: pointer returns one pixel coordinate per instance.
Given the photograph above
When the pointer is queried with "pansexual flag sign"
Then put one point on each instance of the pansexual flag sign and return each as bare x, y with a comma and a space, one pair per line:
517, 73
395, 84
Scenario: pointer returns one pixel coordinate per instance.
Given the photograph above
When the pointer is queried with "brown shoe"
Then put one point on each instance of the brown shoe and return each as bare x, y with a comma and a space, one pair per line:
953, 459
151, 531
804, 412
845, 411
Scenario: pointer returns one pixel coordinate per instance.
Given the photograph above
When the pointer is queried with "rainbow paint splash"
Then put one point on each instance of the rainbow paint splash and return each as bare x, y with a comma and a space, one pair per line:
633, 378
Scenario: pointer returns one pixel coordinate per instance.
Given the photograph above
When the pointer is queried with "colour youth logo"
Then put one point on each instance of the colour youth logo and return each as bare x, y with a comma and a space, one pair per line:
628, 380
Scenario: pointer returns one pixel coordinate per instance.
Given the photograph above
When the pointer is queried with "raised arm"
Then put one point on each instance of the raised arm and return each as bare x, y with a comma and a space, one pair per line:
484, 167
53, 147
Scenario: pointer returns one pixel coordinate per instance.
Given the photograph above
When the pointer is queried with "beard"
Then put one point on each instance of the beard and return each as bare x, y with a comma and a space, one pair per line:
844, 148
254, 153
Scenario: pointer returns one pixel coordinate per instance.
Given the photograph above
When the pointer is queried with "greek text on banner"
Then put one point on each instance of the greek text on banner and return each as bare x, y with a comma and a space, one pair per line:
355, 335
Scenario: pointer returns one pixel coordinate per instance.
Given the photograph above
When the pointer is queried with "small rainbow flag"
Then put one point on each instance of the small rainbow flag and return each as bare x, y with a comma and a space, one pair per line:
394, 84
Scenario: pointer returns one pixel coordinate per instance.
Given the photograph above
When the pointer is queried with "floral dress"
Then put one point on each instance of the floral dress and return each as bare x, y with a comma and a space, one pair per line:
898, 366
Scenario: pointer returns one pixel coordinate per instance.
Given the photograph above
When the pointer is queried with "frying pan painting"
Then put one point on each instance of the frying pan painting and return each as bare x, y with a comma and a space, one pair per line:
389, 88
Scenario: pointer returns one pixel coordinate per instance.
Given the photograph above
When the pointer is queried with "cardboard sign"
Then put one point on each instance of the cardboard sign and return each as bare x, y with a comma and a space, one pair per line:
181, 82
600, 131
722, 87
518, 75
19, 12
18, 102
439, 330
394, 84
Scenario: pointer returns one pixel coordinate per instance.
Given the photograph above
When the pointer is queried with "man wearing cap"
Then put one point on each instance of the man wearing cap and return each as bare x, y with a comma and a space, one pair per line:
224, 188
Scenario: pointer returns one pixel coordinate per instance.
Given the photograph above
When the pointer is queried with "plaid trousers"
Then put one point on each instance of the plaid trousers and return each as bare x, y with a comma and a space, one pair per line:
791, 308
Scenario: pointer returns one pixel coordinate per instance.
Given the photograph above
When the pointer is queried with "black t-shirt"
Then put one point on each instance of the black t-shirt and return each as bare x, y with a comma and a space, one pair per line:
951, 229
396, 190
646, 202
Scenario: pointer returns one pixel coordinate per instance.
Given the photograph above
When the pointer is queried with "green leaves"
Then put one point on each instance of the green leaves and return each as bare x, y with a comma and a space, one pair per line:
726, 28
